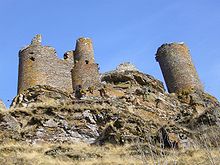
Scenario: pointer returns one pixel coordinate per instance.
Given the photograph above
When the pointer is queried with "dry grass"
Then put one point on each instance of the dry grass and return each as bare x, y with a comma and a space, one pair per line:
190, 157
63, 154
83, 154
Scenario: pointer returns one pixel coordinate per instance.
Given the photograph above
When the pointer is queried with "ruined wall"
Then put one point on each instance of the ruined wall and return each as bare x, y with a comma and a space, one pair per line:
69, 56
39, 65
85, 71
177, 67
85, 75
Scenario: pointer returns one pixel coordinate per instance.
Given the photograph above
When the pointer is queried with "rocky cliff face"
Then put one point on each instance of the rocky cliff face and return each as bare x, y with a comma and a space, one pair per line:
129, 107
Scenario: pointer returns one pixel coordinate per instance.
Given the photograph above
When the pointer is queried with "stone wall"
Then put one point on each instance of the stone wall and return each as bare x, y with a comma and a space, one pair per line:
85, 76
177, 67
39, 65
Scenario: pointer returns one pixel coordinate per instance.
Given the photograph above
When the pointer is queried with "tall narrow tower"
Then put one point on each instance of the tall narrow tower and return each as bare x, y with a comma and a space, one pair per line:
177, 68
85, 72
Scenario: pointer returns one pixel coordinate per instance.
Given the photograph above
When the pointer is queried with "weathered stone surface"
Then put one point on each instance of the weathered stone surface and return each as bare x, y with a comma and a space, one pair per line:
177, 68
129, 107
40, 65
2, 105
123, 77
85, 73
127, 66
42, 95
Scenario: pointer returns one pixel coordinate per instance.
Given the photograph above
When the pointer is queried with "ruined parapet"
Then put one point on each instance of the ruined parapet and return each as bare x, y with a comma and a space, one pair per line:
177, 68
39, 65
69, 56
36, 40
85, 72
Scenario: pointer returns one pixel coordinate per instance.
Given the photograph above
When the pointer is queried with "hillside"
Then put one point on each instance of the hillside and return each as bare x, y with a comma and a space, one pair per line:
128, 119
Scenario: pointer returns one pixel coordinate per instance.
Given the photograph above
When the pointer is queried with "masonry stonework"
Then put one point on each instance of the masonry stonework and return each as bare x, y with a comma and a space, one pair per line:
39, 65
177, 68
85, 72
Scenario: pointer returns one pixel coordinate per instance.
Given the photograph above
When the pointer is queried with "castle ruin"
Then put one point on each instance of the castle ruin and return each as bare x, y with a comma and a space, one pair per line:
39, 65
177, 68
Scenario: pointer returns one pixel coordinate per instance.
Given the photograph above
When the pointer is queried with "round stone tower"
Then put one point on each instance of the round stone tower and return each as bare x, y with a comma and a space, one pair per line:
177, 68
34, 64
85, 72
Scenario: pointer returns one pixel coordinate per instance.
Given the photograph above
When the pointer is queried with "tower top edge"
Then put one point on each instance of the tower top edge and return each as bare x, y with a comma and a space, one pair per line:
174, 46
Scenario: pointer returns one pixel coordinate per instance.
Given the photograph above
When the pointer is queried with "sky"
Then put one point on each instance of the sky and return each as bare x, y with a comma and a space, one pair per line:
121, 30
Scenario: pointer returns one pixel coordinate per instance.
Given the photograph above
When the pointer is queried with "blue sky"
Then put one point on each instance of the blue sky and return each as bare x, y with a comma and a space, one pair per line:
122, 30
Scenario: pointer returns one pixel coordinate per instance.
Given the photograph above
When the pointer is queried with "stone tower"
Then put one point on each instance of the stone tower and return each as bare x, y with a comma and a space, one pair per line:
39, 65
177, 68
85, 72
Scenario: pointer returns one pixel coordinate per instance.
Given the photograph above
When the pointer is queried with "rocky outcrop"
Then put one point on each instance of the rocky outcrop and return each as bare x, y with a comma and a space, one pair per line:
41, 95
2, 105
129, 107
127, 66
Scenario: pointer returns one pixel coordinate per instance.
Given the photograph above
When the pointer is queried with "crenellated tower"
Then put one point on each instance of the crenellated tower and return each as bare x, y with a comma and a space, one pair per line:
177, 68
85, 72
